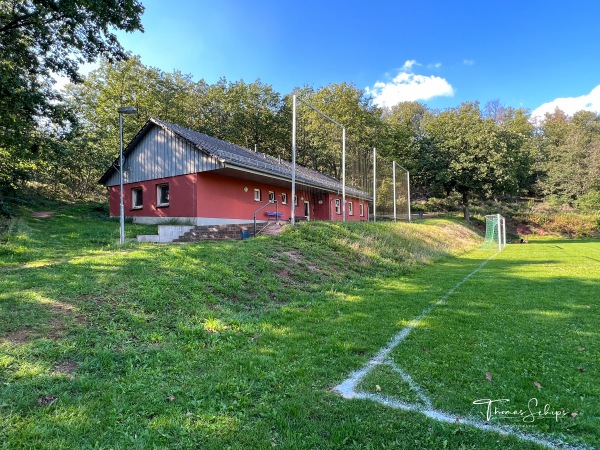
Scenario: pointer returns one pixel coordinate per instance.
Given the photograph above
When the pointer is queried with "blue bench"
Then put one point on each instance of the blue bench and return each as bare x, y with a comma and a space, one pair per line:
273, 214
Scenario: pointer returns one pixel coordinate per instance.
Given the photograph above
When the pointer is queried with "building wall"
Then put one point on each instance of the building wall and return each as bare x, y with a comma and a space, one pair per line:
181, 201
228, 197
211, 196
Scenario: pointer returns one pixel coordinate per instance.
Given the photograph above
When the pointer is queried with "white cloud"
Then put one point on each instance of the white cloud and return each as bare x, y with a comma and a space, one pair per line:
408, 86
570, 105
468, 62
408, 65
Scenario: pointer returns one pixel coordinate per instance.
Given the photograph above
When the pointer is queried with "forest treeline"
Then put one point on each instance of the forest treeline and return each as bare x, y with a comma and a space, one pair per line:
61, 143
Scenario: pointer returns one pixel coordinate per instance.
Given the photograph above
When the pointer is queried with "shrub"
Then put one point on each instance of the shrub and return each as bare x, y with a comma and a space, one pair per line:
562, 224
589, 203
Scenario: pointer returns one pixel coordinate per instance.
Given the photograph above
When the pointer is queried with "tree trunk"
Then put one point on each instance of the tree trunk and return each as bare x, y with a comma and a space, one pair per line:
465, 201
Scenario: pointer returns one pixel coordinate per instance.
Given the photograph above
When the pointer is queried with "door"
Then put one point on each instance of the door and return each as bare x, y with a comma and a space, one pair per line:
307, 210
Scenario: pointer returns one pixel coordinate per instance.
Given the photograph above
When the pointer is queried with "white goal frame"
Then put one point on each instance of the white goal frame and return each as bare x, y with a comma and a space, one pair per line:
495, 230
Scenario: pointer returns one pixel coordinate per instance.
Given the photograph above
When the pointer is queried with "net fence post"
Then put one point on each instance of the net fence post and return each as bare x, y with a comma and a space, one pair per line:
394, 185
408, 192
374, 184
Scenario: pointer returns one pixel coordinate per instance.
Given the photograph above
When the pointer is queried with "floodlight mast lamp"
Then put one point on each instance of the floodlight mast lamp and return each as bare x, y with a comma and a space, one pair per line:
314, 108
122, 110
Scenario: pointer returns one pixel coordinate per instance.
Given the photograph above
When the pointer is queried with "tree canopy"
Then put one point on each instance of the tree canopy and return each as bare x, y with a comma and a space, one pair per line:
38, 40
67, 142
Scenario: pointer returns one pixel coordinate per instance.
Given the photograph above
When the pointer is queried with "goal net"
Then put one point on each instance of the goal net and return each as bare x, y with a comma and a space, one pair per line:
495, 231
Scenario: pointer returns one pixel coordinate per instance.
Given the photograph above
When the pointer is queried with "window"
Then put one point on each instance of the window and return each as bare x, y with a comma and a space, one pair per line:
257, 195
284, 199
350, 209
361, 208
295, 200
271, 196
137, 198
337, 206
162, 195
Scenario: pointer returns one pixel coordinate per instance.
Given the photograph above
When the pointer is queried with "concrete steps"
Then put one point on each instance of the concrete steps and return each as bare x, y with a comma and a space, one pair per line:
215, 233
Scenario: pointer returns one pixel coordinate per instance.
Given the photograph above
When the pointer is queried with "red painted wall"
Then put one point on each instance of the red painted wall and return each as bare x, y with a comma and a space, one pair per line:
208, 194
356, 202
220, 196
181, 198
225, 197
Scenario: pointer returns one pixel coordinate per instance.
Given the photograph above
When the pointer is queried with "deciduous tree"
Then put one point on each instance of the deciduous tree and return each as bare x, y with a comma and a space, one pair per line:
39, 39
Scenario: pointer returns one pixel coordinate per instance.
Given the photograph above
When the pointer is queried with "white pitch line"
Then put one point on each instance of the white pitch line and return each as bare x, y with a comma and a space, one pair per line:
348, 388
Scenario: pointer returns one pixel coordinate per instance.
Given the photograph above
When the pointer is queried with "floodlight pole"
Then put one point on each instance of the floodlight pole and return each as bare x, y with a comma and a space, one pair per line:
374, 184
121, 111
293, 214
343, 149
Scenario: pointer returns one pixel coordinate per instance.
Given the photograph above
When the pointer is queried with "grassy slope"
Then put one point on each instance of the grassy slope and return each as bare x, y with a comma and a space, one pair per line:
213, 345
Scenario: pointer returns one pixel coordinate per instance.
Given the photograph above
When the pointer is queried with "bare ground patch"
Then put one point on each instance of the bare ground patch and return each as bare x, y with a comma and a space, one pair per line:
21, 336
66, 368
42, 214
298, 258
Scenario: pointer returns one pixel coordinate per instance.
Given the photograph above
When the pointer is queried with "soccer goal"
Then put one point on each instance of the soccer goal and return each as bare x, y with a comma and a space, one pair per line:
495, 231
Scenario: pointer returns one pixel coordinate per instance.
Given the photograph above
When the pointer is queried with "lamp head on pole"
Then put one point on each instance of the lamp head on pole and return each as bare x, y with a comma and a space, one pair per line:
127, 110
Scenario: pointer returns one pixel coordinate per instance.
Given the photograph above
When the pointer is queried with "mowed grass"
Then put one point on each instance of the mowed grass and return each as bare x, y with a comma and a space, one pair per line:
525, 329
238, 344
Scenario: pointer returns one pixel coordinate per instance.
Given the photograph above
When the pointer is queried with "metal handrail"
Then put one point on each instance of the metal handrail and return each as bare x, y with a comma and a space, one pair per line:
270, 202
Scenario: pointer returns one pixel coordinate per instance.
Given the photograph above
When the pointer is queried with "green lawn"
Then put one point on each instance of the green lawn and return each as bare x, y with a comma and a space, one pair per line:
241, 344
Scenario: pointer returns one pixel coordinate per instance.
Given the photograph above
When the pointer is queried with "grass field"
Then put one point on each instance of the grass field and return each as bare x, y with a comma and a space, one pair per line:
241, 344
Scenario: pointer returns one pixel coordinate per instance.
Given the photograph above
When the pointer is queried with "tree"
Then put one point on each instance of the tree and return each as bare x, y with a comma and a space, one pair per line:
569, 162
466, 153
38, 39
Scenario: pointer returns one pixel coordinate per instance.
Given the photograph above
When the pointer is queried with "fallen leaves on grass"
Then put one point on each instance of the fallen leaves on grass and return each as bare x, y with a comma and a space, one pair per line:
378, 388
537, 385
488, 376
581, 369
171, 398
47, 400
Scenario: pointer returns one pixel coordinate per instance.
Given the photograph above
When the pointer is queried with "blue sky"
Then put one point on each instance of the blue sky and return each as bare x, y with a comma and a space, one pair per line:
524, 53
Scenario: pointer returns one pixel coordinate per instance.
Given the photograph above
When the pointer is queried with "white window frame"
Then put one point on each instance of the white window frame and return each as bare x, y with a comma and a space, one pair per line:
350, 209
134, 198
159, 189
295, 200
283, 198
271, 196
361, 208
257, 195
338, 206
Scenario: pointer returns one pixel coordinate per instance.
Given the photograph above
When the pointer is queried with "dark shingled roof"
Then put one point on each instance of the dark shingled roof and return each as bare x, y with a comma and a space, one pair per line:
234, 155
